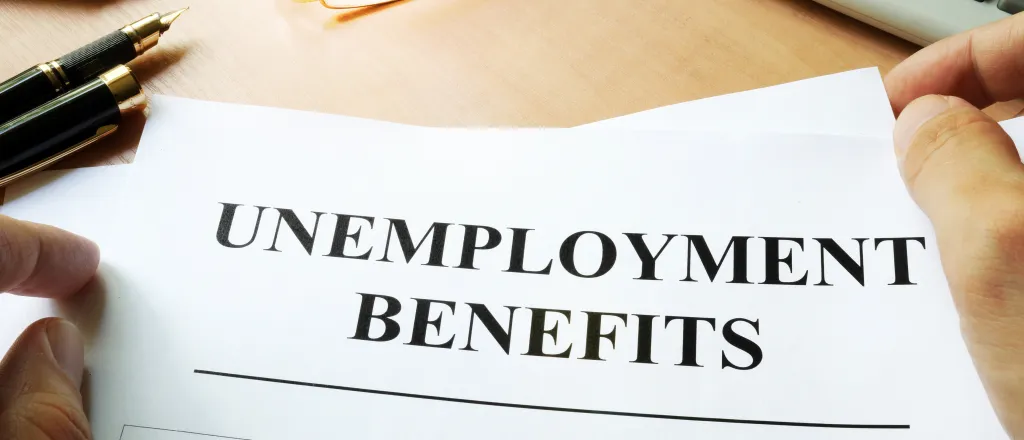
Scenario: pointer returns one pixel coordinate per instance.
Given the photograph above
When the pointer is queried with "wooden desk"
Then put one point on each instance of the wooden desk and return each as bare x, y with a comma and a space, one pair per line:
458, 62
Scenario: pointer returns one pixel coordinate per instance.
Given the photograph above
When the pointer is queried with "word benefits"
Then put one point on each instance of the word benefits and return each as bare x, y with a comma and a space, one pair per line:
548, 333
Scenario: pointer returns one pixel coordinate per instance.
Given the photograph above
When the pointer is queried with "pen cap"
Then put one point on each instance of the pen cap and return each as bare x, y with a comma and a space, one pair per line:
124, 87
67, 123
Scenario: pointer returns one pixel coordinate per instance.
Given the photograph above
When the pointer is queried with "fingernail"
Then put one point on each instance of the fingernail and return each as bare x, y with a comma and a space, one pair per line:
67, 348
917, 114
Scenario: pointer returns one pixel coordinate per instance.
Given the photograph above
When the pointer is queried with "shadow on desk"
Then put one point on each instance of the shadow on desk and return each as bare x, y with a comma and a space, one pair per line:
353, 14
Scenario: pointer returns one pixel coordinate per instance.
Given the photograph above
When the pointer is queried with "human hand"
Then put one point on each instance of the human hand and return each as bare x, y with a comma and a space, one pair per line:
965, 173
41, 375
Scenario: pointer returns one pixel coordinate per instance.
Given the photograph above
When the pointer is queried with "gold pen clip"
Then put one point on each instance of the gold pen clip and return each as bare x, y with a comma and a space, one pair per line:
101, 133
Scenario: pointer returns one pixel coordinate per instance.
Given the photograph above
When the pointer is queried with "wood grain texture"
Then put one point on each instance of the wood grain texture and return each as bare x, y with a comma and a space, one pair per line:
457, 62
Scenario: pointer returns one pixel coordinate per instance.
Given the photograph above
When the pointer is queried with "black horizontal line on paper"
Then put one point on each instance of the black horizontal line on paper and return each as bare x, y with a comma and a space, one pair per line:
553, 408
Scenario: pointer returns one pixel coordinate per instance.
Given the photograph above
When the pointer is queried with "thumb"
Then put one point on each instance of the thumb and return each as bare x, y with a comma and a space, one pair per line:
41, 260
39, 384
952, 156
965, 173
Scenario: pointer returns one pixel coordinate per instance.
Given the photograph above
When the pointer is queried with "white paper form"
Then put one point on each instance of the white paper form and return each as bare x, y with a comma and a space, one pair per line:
63, 198
878, 355
56, 217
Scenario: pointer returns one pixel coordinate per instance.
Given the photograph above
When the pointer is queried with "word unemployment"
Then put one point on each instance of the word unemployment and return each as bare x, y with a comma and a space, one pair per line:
349, 228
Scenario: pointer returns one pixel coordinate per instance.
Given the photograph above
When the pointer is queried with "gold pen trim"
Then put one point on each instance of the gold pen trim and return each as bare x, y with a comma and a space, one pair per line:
55, 65
134, 36
144, 33
52, 76
101, 133
125, 87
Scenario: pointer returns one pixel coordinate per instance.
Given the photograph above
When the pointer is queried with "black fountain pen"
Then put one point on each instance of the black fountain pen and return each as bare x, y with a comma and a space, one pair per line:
41, 83
68, 123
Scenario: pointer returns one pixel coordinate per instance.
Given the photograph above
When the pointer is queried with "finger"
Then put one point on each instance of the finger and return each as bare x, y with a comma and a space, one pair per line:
39, 384
40, 260
983, 66
965, 173
952, 156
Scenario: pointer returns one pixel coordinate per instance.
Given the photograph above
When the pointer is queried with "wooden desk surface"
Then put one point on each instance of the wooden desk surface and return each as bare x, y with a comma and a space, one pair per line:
457, 62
